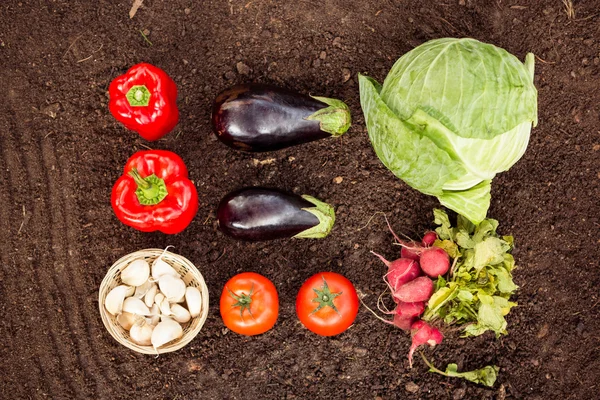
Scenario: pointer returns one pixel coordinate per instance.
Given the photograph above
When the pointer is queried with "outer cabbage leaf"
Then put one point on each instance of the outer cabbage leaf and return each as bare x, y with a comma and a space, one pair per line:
410, 156
472, 203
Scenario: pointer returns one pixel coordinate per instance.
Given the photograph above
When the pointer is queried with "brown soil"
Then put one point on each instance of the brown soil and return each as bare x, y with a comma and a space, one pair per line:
61, 151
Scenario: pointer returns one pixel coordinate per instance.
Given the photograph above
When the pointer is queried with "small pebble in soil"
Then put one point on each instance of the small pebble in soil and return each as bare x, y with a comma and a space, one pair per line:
411, 387
316, 63
459, 394
346, 74
543, 331
338, 179
323, 55
360, 352
243, 69
229, 75
337, 42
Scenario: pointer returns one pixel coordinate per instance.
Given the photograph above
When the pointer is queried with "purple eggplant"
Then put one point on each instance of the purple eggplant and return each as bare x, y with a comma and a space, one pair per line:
257, 117
256, 213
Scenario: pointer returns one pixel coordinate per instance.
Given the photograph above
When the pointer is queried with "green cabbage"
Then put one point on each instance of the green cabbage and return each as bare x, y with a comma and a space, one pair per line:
450, 115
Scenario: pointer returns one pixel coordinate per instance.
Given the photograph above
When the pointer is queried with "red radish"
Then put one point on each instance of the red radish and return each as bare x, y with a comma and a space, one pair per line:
429, 238
419, 289
422, 334
407, 313
400, 271
435, 262
410, 250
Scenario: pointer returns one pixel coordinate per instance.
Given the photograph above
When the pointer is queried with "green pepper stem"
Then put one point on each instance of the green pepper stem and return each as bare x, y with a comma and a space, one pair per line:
151, 190
138, 96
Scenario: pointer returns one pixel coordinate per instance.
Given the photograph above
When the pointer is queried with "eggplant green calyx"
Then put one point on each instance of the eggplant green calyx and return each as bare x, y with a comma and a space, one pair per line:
326, 215
151, 190
334, 119
138, 96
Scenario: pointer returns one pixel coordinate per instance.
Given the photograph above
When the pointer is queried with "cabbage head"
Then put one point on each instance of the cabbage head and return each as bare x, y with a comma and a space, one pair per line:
450, 115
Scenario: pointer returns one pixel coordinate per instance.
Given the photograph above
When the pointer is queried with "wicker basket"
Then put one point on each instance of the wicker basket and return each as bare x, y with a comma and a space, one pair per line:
190, 275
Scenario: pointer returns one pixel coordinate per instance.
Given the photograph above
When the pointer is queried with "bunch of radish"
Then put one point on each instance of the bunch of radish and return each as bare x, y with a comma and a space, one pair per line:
409, 280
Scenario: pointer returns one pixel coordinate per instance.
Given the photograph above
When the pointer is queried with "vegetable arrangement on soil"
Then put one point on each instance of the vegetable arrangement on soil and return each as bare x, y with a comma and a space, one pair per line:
450, 115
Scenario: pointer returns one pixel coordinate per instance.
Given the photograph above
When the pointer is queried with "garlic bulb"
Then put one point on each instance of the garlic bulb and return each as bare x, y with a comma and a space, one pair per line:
172, 287
149, 297
134, 305
141, 332
114, 299
160, 267
136, 273
180, 314
126, 320
166, 331
193, 299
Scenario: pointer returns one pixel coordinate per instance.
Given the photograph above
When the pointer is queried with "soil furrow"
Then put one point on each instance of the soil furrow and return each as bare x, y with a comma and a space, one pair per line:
65, 249
11, 232
41, 258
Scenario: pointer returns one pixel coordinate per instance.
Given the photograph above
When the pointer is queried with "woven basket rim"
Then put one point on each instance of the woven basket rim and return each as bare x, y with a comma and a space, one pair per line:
192, 274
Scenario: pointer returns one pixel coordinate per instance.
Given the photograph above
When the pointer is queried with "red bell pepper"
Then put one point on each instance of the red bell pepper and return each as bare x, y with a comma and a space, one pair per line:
144, 99
155, 193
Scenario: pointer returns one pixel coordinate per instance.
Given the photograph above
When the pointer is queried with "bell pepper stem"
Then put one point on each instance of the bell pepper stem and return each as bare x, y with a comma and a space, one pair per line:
151, 189
138, 96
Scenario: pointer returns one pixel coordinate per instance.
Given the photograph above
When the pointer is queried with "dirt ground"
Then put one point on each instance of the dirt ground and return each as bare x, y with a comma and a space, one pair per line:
61, 152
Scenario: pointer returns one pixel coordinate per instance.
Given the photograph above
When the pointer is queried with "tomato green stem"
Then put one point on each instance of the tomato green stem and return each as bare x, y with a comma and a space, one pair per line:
243, 301
325, 297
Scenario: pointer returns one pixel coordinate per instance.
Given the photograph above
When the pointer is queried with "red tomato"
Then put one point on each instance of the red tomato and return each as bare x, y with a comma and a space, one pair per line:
327, 303
249, 304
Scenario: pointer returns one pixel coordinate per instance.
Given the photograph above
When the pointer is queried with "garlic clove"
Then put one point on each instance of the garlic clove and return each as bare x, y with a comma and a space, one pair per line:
126, 320
140, 291
134, 305
165, 307
149, 297
158, 298
166, 331
141, 332
181, 299
136, 273
193, 299
130, 291
172, 287
160, 267
180, 314
155, 315
115, 299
